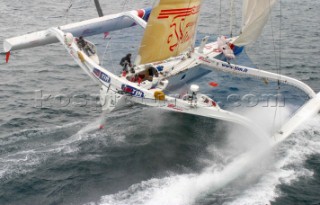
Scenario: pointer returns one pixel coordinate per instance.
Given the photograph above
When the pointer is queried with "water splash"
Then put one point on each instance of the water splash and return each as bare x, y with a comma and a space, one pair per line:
187, 189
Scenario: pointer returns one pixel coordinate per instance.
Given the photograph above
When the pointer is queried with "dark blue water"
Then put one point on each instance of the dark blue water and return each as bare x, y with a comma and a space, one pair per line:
52, 153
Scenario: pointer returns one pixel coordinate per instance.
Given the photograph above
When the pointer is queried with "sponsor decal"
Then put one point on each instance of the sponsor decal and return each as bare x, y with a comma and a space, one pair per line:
132, 91
101, 75
204, 59
173, 106
144, 13
236, 68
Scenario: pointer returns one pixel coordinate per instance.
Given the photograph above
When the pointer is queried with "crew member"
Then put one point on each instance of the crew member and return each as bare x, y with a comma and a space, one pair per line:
84, 45
125, 62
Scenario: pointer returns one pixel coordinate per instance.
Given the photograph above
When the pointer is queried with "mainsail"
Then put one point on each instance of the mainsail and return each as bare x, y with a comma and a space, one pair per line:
254, 17
170, 30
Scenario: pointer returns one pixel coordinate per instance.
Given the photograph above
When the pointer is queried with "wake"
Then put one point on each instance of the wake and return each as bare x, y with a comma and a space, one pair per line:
269, 161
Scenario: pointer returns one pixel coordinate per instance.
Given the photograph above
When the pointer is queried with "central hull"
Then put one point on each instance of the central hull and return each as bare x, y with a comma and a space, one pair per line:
186, 77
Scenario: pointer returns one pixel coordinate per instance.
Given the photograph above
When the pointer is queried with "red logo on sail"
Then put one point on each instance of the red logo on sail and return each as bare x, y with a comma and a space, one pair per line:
178, 12
182, 30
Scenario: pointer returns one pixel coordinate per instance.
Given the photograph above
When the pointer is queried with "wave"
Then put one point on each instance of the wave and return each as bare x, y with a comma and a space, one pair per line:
262, 168
22, 152
31, 133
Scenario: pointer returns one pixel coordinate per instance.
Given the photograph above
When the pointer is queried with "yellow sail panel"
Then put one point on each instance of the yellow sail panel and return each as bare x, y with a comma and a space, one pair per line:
170, 30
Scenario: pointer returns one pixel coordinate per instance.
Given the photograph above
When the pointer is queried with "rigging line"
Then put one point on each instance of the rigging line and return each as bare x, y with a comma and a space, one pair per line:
231, 16
67, 11
274, 46
273, 43
244, 80
280, 36
278, 68
105, 50
220, 18
110, 39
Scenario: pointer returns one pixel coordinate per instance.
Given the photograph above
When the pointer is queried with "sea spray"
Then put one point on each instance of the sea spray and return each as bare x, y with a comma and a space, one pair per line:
187, 189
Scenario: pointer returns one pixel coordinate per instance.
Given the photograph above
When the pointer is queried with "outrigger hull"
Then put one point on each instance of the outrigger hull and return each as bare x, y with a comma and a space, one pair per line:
85, 28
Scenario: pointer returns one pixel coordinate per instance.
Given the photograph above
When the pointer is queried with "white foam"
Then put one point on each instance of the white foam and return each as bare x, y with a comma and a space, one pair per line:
186, 189
27, 133
179, 189
24, 161
91, 131
288, 168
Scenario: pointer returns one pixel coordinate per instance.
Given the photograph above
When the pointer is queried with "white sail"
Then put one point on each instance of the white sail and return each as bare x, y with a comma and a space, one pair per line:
254, 17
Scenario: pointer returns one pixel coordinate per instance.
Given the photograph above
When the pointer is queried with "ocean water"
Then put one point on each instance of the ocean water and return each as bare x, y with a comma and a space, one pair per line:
52, 152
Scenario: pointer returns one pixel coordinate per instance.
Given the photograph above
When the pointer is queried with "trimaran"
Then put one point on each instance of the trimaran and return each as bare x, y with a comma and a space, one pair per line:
167, 57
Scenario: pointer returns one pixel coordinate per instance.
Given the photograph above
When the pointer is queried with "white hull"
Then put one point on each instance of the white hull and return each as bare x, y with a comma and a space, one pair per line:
307, 111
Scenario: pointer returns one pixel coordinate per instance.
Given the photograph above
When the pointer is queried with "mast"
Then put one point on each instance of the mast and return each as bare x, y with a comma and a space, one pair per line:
98, 7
